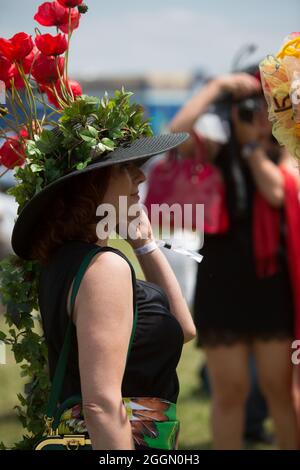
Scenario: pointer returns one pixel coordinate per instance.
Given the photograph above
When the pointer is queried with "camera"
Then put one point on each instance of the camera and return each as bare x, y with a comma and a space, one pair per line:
248, 107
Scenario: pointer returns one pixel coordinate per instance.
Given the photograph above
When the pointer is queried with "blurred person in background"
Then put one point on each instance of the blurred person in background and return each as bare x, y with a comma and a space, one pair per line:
214, 127
237, 309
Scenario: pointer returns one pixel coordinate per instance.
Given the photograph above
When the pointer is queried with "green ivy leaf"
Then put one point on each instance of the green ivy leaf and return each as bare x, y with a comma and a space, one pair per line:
32, 149
35, 168
109, 144
48, 142
2, 336
93, 132
81, 166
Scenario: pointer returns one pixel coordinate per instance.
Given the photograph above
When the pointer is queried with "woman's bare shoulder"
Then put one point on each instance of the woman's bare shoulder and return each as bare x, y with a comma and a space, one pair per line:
107, 276
111, 259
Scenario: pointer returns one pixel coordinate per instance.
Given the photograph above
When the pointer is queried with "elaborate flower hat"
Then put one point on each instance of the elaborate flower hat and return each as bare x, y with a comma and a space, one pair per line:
281, 84
48, 141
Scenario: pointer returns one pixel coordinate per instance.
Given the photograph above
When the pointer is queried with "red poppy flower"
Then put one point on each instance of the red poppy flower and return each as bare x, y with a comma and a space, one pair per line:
6, 69
44, 69
12, 153
72, 86
74, 22
54, 14
70, 3
17, 47
50, 14
51, 45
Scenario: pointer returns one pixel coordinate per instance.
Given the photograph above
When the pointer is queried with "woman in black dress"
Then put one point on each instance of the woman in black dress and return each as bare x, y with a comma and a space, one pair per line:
235, 311
128, 393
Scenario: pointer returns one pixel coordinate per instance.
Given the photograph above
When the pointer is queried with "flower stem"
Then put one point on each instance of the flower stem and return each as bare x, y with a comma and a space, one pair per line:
63, 88
4, 172
13, 108
54, 110
10, 125
67, 55
59, 99
16, 97
43, 121
29, 101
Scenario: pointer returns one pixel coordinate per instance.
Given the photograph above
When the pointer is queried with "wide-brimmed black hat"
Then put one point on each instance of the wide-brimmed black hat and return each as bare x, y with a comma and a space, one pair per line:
140, 149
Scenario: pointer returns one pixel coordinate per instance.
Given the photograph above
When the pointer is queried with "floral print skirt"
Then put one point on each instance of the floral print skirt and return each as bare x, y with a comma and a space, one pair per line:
153, 422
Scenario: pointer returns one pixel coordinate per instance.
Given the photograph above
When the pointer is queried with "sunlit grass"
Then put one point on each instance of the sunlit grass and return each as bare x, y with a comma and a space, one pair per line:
11, 384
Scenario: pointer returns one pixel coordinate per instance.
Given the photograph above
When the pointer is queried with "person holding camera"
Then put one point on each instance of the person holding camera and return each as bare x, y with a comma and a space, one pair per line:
243, 296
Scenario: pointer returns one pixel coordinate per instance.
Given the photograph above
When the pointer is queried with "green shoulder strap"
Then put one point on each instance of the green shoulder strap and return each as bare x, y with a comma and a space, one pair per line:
57, 382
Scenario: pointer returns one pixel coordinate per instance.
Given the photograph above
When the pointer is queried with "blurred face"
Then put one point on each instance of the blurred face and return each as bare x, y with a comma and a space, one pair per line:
259, 129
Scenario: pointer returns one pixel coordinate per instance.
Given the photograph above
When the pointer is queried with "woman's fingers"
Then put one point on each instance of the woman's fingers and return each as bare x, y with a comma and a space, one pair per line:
240, 84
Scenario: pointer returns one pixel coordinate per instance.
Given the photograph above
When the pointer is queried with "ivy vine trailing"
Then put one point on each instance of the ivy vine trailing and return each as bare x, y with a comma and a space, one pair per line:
88, 128
18, 280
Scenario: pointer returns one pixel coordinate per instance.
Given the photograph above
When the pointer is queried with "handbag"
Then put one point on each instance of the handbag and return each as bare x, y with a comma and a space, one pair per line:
193, 181
153, 419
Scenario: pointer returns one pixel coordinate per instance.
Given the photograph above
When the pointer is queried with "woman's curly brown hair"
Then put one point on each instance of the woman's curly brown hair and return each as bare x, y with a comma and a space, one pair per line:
71, 214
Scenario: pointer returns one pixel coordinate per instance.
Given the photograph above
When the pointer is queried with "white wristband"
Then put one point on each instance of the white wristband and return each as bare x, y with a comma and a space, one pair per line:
143, 250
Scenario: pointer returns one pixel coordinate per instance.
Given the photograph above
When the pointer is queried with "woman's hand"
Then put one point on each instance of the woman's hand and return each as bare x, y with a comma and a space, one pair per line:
239, 85
139, 230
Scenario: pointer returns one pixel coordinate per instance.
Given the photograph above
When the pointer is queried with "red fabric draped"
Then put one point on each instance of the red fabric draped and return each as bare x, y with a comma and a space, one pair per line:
266, 238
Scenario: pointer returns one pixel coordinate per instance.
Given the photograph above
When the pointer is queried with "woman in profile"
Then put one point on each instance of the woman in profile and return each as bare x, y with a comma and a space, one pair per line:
128, 394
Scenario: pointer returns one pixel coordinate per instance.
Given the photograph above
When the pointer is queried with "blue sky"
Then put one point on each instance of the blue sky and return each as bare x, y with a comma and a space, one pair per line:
136, 37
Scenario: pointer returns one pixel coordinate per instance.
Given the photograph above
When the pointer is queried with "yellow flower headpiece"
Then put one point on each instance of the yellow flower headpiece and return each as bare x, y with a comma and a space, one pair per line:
281, 85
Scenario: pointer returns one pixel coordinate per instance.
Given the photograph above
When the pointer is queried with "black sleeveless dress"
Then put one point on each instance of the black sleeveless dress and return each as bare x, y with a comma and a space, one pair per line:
231, 304
158, 340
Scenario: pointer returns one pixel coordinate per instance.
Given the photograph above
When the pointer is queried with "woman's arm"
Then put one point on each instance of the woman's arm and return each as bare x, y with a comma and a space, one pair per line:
103, 315
267, 176
237, 84
186, 117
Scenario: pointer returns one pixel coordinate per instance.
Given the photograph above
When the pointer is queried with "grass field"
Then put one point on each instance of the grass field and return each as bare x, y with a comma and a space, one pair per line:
193, 406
